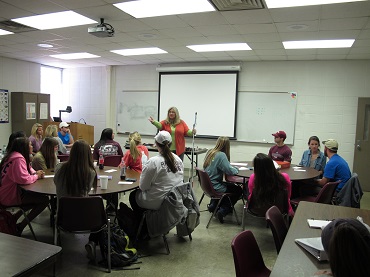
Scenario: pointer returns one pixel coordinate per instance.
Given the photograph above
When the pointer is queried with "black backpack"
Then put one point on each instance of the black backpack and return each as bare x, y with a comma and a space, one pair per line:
121, 254
127, 220
7, 223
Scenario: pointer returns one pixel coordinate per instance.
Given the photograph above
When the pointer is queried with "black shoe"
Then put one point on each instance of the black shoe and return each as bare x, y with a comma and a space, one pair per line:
91, 251
211, 208
220, 216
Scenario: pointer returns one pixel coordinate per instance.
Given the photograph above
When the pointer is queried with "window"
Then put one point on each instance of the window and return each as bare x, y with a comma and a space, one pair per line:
51, 83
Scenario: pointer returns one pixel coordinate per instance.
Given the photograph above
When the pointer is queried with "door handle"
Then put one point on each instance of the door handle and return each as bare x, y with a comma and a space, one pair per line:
358, 145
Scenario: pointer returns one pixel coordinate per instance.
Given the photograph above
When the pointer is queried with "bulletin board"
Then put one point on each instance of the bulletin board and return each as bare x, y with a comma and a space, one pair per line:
260, 114
4, 106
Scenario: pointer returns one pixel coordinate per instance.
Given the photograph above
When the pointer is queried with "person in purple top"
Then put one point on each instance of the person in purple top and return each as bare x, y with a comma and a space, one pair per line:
280, 151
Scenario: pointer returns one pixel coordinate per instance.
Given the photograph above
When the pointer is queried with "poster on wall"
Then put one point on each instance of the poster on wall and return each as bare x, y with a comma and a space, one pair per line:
4, 106
30, 110
43, 110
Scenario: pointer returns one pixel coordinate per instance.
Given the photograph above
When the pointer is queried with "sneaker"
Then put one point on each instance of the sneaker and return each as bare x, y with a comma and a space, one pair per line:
220, 216
91, 250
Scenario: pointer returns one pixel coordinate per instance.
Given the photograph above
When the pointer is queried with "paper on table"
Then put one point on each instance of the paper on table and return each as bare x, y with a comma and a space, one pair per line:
243, 168
110, 170
239, 164
313, 246
303, 170
315, 223
49, 176
125, 183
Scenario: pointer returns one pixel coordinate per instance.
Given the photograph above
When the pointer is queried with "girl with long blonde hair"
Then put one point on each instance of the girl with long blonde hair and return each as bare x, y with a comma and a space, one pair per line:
36, 137
138, 153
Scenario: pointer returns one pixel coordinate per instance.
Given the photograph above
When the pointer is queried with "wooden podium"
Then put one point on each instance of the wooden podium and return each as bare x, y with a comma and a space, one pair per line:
78, 130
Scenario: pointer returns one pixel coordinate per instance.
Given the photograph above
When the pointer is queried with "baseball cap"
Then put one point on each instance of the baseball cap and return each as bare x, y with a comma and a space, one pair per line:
162, 137
331, 144
329, 229
63, 124
280, 134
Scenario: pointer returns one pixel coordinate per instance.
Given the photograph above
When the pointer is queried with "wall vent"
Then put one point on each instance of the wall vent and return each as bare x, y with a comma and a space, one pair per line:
15, 27
235, 5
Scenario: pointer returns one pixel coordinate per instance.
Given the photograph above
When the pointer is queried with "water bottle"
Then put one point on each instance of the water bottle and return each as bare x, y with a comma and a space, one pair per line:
123, 169
101, 160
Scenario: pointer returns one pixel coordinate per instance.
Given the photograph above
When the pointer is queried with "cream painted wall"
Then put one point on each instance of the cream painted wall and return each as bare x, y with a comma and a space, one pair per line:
327, 99
16, 75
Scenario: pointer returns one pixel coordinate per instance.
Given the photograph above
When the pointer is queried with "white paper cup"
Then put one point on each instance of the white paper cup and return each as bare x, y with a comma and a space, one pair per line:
103, 181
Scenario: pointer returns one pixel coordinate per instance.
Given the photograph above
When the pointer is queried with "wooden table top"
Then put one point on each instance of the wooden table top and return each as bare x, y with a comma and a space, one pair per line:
23, 257
153, 148
295, 261
47, 186
303, 173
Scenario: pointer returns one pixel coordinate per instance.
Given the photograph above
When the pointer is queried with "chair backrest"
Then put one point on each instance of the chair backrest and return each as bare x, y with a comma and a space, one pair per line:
81, 214
351, 193
281, 202
63, 158
113, 160
277, 225
206, 184
248, 259
326, 193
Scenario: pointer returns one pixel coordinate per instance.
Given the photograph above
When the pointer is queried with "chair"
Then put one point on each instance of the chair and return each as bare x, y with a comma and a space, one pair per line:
281, 202
174, 212
248, 259
24, 212
351, 193
206, 185
113, 160
63, 158
82, 215
325, 195
277, 225
235, 179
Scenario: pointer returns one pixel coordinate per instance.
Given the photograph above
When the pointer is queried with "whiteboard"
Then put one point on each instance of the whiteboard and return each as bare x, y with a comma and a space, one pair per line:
212, 95
260, 114
133, 110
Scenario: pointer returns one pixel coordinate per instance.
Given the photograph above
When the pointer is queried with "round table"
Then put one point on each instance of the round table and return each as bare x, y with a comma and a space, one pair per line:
295, 173
47, 186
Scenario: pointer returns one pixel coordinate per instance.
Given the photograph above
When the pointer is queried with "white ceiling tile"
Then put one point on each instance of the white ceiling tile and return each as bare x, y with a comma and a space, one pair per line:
204, 19
306, 26
255, 28
343, 24
172, 21
308, 13
212, 31
247, 16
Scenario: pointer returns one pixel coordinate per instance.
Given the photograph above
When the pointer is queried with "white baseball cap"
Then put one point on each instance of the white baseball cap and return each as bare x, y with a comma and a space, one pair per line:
162, 137
63, 124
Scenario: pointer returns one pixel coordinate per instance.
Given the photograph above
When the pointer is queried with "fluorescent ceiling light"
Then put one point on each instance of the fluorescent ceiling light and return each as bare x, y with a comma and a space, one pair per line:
4, 32
54, 20
309, 44
219, 47
139, 51
75, 56
272, 4
150, 8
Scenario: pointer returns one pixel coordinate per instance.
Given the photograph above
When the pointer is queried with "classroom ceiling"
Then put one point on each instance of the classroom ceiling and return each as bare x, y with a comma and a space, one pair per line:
263, 30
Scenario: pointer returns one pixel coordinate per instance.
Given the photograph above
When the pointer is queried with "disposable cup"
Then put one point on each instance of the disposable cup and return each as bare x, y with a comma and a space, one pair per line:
103, 181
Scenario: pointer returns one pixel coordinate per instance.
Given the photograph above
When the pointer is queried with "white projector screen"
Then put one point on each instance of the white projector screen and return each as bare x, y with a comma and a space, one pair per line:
212, 95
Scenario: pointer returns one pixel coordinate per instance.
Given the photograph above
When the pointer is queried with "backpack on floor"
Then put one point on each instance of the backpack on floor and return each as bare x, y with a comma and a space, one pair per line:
7, 223
121, 254
127, 220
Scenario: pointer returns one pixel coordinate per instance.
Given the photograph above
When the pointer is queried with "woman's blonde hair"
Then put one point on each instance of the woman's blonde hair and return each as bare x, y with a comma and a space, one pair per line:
34, 130
51, 131
222, 145
134, 140
177, 117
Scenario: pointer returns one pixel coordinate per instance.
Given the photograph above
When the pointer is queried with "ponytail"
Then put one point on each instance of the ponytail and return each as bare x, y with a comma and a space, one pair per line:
168, 156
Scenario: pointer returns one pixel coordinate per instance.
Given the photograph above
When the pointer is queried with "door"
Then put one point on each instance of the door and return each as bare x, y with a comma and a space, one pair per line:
361, 163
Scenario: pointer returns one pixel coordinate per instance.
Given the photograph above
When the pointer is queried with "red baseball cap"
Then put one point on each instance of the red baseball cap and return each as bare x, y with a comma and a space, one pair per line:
280, 134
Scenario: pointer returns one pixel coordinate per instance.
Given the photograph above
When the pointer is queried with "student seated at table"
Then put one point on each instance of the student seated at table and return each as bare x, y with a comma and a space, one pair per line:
65, 134
267, 182
138, 154
160, 174
217, 164
52, 132
16, 170
107, 145
75, 178
46, 157
36, 137
347, 243
313, 157
280, 151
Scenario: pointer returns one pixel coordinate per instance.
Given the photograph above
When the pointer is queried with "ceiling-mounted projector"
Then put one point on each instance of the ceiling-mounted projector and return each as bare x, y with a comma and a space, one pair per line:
103, 30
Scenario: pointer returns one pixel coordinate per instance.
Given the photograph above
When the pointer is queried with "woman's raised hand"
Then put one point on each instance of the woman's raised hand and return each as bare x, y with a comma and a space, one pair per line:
150, 119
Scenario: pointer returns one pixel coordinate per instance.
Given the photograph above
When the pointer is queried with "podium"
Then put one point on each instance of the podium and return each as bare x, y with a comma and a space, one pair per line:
78, 130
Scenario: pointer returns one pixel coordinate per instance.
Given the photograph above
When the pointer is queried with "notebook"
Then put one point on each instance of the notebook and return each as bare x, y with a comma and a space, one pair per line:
313, 246
320, 224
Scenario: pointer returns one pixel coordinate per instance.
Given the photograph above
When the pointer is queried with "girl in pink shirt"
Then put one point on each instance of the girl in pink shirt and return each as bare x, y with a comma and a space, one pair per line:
15, 170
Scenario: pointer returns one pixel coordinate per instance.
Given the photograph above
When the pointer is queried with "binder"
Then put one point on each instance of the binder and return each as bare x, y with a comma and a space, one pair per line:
313, 246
